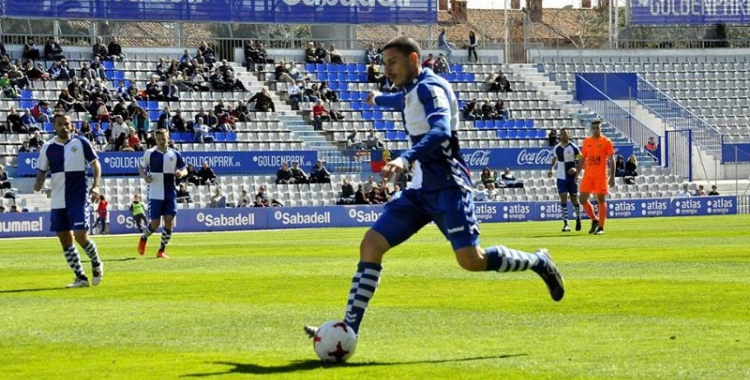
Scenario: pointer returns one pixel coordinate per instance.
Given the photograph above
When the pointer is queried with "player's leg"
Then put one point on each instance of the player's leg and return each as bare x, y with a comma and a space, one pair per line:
80, 218
602, 201
454, 215
155, 214
587, 187
572, 188
63, 227
562, 191
166, 234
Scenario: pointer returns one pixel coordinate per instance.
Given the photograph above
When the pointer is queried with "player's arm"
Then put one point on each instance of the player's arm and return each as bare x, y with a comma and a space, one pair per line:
181, 166
96, 168
41, 175
612, 170
145, 161
42, 164
393, 100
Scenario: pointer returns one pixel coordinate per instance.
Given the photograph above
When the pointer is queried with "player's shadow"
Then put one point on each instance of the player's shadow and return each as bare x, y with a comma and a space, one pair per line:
31, 290
306, 365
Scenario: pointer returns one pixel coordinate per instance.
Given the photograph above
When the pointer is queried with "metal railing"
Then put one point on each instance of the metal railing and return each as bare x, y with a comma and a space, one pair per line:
618, 117
679, 117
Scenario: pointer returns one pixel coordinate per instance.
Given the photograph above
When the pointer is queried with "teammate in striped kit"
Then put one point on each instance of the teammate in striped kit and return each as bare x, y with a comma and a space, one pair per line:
159, 168
563, 168
66, 157
440, 192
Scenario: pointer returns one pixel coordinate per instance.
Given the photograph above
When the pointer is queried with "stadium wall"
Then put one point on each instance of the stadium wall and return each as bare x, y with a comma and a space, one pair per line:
540, 54
243, 219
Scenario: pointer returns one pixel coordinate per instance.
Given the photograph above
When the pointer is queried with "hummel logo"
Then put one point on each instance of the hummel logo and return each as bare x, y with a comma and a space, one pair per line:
454, 230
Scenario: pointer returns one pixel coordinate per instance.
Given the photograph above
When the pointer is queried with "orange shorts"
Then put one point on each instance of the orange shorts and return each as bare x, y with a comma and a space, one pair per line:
594, 185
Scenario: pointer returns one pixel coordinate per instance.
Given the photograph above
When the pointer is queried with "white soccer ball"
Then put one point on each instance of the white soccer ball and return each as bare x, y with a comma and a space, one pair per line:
335, 342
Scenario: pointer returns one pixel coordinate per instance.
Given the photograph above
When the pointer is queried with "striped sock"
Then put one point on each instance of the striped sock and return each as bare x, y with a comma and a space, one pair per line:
504, 259
577, 211
364, 283
564, 212
92, 253
147, 232
166, 234
74, 261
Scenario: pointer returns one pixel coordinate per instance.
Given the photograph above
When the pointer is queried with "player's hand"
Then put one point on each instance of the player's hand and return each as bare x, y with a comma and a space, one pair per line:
611, 181
371, 97
94, 192
147, 178
392, 168
572, 171
549, 174
178, 174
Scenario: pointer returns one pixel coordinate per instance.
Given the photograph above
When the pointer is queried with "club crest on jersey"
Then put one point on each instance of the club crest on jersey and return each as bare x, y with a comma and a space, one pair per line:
74, 149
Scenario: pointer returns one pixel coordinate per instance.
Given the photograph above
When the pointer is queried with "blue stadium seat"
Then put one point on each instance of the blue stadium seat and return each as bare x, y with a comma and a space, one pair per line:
356, 106
514, 134
339, 68
540, 133
232, 136
401, 135
362, 77
378, 115
389, 125
518, 123
391, 135
528, 123
352, 68
502, 134
319, 67
152, 105
220, 136
309, 67
368, 115
49, 128
153, 115
479, 124
380, 125
108, 65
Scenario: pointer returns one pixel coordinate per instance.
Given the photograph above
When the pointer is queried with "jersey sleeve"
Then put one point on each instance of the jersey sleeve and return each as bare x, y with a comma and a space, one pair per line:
42, 163
584, 151
393, 100
576, 151
610, 149
88, 150
146, 159
180, 160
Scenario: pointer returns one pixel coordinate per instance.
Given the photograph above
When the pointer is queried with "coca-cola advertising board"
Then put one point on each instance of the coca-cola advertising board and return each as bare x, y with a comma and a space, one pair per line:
519, 158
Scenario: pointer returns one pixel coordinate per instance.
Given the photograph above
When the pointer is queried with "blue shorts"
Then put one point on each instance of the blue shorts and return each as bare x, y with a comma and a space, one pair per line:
70, 219
452, 210
159, 207
567, 185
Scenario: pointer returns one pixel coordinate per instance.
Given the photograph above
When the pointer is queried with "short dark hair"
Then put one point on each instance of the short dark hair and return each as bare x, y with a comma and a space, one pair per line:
404, 45
596, 121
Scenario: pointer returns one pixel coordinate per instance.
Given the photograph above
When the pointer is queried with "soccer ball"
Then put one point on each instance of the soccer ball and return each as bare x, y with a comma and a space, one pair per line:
335, 342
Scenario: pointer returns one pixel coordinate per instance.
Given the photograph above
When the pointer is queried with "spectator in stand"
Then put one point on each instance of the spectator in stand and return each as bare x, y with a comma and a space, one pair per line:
114, 50
153, 91
206, 174
52, 50
370, 184
36, 141
376, 196
212, 121
281, 73
41, 112
468, 110
319, 174
685, 192
334, 55
26, 148
87, 132
117, 127
552, 137
4, 182
480, 194
18, 78
352, 142
498, 82
165, 119
429, 62
29, 123
99, 50
98, 67
169, 91
651, 146
13, 122
178, 123
700, 192
321, 53
373, 55
441, 65
309, 94
284, 175
347, 193
207, 53
328, 94
501, 111
444, 44
263, 200
631, 166
251, 56
218, 200
487, 177
100, 136
488, 110
714, 191
373, 141
30, 51
619, 166
472, 46
310, 56
373, 73
134, 143
192, 175
200, 132
263, 101
509, 180
360, 197
245, 200
297, 173
320, 114
295, 94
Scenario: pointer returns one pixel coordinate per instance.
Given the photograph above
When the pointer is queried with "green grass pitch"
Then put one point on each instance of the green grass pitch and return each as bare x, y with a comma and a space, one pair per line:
665, 298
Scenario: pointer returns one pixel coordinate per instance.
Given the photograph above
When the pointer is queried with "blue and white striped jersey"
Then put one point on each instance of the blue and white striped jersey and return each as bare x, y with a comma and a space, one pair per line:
162, 167
67, 165
430, 113
567, 157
